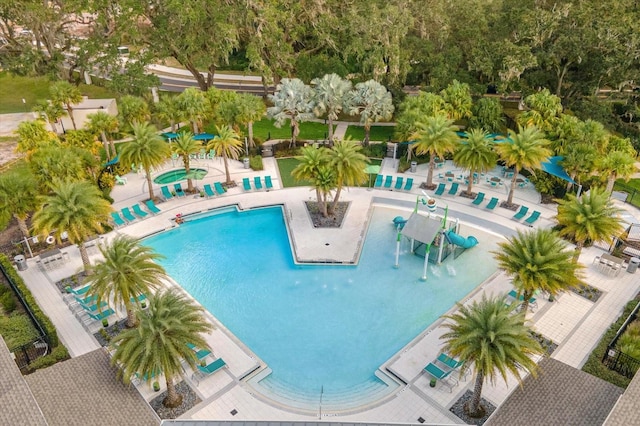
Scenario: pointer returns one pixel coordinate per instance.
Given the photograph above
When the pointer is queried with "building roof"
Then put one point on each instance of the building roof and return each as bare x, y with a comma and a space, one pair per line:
85, 390
626, 411
560, 395
18, 403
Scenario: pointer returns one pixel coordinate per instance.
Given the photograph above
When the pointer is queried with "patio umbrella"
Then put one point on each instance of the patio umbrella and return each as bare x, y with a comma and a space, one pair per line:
372, 169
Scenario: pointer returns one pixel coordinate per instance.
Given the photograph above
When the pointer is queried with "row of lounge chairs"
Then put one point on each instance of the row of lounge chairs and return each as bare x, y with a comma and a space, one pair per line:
400, 184
139, 213
493, 202
179, 192
443, 367
443, 186
535, 215
205, 369
257, 183
86, 308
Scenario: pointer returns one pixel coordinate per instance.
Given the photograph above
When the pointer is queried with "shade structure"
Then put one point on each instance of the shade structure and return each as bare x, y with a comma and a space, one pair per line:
553, 167
169, 135
421, 228
115, 160
204, 136
372, 169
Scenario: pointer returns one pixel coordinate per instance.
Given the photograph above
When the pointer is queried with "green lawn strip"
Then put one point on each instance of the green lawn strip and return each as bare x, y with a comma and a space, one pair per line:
632, 188
286, 165
265, 128
17, 330
378, 133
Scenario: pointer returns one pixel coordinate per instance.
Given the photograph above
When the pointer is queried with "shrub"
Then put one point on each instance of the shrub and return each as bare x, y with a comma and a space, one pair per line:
59, 353
256, 163
17, 330
8, 302
375, 150
106, 181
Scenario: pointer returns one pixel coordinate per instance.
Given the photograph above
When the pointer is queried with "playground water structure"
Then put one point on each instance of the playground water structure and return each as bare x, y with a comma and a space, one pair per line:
312, 325
178, 175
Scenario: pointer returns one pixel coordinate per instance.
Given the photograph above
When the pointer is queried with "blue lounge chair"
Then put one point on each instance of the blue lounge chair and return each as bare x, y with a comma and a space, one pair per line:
452, 363
531, 219
246, 184
441, 188
209, 191
219, 189
140, 298
267, 182
441, 375
454, 189
152, 207
208, 369
78, 292
521, 213
409, 184
138, 211
101, 315
257, 182
378, 182
533, 302
387, 182
399, 183
479, 199
493, 202
200, 353
117, 219
166, 193
178, 188
126, 213
92, 306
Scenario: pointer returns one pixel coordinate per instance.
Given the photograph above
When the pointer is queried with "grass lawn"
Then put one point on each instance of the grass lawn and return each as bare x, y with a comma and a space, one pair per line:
14, 89
632, 188
308, 130
378, 133
286, 165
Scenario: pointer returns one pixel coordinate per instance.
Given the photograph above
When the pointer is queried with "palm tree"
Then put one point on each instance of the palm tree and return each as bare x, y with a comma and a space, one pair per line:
544, 110
592, 217
457, 98
292, 101
436, 136
538, 261
250, 109
579, 161
184, 146
76, 208
51, 112
132, 109
228, 145
19, 196
348, 164
147, 149
33, 135
372, 101
475, 154
487, 114
415, 108
159, 343
168, 109
103, 124
64, 93
194, 106
493, 340
128, 271
614, 165
311, 160
329, 95
526, 150
324, 181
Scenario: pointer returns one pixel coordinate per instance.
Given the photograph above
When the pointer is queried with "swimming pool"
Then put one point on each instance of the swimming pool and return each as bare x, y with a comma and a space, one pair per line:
178, 175
323, 327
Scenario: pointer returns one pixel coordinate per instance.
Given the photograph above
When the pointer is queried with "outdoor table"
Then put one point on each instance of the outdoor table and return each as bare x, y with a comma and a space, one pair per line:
508, 172
50, 257
612, 263
439, 163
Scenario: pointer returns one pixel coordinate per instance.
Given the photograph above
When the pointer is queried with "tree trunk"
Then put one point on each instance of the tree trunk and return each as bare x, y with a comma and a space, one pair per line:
323, 205
22, 225
173, 125
526, 295
513, 185
173, 398
471, 176
85, 258
577, 251
187, 169
105, 143
211, 73
318, 197
131, 317
367, 133
73, 120
330, 133
473, 407
53, 127
226, 166
432, 164
250, 131
202, 83
114, 153
149, 182
295, 131
194, 125
610, 181
335, 200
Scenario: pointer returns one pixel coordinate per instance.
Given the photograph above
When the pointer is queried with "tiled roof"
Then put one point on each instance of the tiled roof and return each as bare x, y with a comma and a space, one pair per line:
85, 391
560, 395
18, 406
626, 412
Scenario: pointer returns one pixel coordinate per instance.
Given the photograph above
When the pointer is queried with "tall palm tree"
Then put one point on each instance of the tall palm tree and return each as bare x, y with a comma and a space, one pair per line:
348, 164
544, 110
527, 150
329, 94
311, 160
51, 112
493, 340
76, 208
324, 181
436, 136
103, 124
19, 196
475, 154
132, 109
457, 98
169, 110
33, 135
184, 146
413, 109
65, 93
614, 165
128, 271
250, 109
159, 343
579, 161
226, 144
194, 106
538, 261
292, 101
372, 101
592, 217
147, 149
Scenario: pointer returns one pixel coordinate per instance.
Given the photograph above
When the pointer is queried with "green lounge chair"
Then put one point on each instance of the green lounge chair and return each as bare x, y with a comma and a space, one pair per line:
208, 369
533, 302
101, 315
138, 211
399, 183
117, 219
521, 213
209, 191
246, 184
166, 193
492, 203
441, 375
85, 300
126, 213
152, 207
257, 182
452, 363
178, 188
267, 182
387, 182
378, 182
531, 219
440, 189
93, 306
454, 189
409, 184
120, 180
78, 292
219, 189
200, 353
479, 199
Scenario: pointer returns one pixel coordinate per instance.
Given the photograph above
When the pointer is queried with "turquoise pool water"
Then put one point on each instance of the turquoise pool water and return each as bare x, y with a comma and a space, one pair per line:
317, 327
178, 175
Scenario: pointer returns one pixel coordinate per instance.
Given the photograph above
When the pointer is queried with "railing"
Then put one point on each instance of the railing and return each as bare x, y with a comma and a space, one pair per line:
24, 355
617, 360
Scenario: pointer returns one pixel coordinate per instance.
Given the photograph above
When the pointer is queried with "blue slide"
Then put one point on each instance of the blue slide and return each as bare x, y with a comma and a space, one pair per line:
459, 240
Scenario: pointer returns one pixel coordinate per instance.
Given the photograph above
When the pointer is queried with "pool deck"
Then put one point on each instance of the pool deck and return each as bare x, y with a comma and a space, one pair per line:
574, 323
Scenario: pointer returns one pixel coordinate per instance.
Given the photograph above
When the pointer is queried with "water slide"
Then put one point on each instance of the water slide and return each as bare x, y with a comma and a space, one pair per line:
459, 240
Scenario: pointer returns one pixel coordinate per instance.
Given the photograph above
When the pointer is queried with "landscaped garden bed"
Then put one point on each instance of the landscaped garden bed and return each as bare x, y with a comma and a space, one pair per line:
189, 400
458, 409
588, 292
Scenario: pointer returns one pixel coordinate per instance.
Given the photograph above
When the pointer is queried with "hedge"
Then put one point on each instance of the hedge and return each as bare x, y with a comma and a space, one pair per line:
30, 301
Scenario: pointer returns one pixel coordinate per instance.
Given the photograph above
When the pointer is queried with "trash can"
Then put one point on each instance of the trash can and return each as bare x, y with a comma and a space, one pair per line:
266, 151
414, 166
21, 262
245, 162
633, 265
